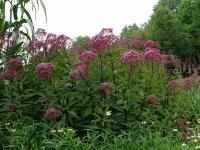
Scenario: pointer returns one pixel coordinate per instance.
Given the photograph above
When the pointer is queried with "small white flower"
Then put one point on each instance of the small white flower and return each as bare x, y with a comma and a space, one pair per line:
153, 123
198, 121
108, 113
60, 130
188, 122
70, 130
197, 147
183, 145
195, 140
144, 122
193, 136
175, 130
6, 82
13, 130
53, 131
7, 124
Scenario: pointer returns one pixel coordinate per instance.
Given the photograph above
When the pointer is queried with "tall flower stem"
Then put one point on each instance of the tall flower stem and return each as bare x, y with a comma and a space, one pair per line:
113, 71
149, 81
151, 77
90, 94
101, 67
56, 92
127, 98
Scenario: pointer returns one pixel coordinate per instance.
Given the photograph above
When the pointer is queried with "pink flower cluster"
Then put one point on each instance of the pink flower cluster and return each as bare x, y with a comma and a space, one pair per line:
105, 87
80, 69
8, 41
10, 74
40, 34
170, 59
130, 58
173, 85
152, 55
124, 43
44, 71
103, 40
151, 44
187, 83
52, 114
87, 56
12, 67
109, 35
79, 72
138, 42
44, 41
15, 64
152, 100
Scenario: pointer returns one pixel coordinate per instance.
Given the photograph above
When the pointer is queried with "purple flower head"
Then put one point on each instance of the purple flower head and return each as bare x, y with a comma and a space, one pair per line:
109, 35
40, 34
99, 43
56, 42
152, 55
87, 56
151, 44
44, 71
148, 49
52, 114
173, 85
79, 72
8, 40
10, 74
187, 83
62, 41
170, 59
105, 87
103, 40
124, 43
130, 57
15, 64
138, 42
37, 44
152, 100
51, 41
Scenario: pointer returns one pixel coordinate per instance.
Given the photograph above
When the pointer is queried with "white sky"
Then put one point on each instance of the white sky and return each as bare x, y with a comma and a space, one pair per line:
87, 17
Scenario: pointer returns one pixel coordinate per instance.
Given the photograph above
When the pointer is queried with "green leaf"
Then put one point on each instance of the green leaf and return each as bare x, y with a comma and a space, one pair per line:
44, 8
73, 114
15, 9
87, 112
14, 50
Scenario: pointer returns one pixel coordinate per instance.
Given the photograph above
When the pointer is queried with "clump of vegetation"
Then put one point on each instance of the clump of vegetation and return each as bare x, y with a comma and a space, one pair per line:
103, 92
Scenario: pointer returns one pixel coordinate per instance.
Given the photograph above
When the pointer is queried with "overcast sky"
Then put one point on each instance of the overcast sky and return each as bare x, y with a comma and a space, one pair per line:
88, 17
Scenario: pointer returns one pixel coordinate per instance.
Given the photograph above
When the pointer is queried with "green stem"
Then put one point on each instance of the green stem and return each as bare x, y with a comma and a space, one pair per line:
101, 67
90, 94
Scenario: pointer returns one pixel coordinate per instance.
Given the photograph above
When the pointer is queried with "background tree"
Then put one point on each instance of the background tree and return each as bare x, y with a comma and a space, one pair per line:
130, 32
189, 15
166, 28
81, 42
172, 5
